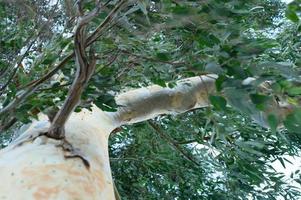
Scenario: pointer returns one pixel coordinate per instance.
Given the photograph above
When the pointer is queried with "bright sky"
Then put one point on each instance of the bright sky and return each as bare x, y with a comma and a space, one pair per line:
289, 168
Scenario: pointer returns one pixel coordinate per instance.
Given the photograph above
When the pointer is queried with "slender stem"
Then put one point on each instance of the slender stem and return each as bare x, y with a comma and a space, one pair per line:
153, 59
32, 86
173, 143
18, 63
8, 124
97, 32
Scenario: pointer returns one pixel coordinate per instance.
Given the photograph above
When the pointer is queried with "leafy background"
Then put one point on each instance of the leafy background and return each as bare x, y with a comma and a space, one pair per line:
213, 153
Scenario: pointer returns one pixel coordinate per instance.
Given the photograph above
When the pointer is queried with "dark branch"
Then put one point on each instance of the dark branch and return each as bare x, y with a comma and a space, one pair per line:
18, 63
32, 86
55, 87
153, 59
173, 143
187, 142
97, 32
85, 70
8, 124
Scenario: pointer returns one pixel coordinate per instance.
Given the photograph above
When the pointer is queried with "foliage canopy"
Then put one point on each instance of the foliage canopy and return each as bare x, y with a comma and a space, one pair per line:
212, 153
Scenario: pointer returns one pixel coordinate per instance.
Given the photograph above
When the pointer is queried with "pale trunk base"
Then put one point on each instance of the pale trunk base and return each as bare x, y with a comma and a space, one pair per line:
38, 169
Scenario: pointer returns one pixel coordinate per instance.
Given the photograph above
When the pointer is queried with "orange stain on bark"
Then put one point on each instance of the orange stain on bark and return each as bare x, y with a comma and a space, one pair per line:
44, 193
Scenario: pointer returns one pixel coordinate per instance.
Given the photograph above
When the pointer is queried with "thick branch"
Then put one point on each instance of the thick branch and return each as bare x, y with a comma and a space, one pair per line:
146, 103
84, 71
191, 93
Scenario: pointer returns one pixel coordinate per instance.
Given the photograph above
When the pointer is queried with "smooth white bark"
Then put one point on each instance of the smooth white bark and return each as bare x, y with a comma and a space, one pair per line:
145, 103
38, 169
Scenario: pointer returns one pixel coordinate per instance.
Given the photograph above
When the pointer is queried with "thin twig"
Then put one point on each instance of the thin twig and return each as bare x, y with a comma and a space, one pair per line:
97, 32
153, 59
173, 143
187, 142
32, 86
8, 124
18, 63
52, 88
112, 60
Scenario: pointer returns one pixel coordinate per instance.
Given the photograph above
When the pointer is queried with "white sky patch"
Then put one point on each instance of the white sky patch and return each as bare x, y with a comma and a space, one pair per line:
289, 169
53, 2
287, 1
292, 166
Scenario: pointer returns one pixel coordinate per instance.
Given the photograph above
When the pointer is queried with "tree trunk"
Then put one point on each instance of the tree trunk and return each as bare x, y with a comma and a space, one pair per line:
40, 168
37, 167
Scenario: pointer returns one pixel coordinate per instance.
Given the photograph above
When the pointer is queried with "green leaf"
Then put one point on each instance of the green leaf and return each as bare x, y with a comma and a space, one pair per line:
219, 82
142, 4
293, 121
273, 122
23, 78
106, 102
282, 162
181, 10
214, 67
239, 98
162, 56
298, 181
294, 91
258, 98
171, 84
159, 81
291, 15
218, 102
206, 39
49, 59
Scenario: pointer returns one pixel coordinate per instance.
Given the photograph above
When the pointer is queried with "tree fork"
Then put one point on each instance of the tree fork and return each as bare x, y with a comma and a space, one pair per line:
85, 70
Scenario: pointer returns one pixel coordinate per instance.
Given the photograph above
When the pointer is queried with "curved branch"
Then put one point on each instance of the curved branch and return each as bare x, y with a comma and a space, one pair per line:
191, 93
145, 103
32, 86
85, 70
97, 32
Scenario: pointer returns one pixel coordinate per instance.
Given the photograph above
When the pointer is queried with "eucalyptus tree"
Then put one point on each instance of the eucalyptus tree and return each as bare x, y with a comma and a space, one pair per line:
66, 58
